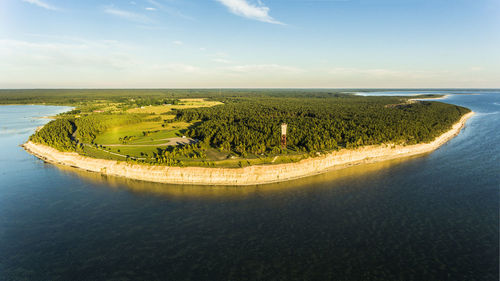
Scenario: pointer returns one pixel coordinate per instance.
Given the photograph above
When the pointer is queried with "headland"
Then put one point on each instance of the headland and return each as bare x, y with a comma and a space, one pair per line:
251, 175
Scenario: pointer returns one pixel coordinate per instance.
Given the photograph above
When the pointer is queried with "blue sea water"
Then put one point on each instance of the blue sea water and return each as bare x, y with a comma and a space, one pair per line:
432, 217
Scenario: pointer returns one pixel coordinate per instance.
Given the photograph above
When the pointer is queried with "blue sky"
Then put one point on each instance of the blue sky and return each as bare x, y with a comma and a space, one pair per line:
249, 43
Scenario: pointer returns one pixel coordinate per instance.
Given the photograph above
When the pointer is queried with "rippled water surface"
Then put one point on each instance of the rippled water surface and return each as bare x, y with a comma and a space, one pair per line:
433, 217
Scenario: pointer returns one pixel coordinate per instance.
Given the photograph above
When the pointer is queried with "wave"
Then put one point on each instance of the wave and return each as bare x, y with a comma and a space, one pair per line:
488, 113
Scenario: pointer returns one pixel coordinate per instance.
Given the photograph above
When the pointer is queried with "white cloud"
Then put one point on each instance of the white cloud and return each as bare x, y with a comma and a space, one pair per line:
42, 4
150, 9
243, 8
177, 42
127, 15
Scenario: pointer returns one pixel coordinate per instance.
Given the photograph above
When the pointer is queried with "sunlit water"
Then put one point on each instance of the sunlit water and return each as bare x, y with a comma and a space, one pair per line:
434, 217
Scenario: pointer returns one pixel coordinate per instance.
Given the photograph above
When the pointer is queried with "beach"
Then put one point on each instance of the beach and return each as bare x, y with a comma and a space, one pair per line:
252, 175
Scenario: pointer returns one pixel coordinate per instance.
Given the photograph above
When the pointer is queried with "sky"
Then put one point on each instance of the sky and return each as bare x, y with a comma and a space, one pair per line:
250, 44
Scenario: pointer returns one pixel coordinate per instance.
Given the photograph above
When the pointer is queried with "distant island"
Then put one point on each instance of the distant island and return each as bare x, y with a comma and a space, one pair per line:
233, 137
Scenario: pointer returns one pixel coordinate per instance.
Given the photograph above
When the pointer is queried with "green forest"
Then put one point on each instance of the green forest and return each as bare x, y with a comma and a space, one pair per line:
316, 124
243, 128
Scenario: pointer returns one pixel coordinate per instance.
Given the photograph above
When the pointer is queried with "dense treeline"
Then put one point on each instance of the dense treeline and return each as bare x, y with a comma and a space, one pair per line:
140, 97
247, 125
57, 134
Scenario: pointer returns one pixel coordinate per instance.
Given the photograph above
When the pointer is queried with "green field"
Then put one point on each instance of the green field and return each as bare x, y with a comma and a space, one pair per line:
142, 133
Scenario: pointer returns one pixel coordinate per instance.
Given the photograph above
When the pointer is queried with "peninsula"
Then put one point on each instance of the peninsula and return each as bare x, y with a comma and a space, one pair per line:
233, 137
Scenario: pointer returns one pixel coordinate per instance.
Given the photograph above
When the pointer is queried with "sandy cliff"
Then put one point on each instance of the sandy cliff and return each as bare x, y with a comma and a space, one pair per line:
241, 176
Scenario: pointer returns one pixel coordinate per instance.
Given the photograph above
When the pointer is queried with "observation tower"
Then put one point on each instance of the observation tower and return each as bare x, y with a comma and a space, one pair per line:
283, 135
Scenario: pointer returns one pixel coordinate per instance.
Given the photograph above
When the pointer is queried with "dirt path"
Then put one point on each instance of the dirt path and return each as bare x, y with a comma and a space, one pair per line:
117, 154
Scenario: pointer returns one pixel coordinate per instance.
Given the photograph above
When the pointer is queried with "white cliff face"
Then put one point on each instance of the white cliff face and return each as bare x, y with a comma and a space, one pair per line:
251, 175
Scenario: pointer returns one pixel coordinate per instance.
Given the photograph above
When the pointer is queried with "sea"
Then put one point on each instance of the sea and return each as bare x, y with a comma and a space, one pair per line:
430, 217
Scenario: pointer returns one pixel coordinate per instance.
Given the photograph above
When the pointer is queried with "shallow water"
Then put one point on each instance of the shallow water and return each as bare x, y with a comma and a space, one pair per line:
434, 217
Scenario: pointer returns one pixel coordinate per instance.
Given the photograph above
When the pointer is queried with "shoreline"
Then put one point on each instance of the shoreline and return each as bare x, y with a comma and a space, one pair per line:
251, 175
436, 98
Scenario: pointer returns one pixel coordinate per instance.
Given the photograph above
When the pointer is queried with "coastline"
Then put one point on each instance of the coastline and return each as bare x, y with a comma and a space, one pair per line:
251, 175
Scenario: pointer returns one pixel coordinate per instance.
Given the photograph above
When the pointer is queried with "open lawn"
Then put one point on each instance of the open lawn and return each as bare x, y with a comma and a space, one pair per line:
142, 133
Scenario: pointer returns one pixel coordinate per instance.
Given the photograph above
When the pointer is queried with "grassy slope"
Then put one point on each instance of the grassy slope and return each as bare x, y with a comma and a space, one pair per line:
157, 132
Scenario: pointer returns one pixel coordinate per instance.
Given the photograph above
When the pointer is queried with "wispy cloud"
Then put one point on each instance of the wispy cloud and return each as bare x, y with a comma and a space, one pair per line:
242, 8
76, 53
177, 42
169, 10
127, 15
150, 9
42, 4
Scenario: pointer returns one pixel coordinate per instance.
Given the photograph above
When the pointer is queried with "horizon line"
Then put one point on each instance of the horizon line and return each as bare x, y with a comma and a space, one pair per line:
261, 88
